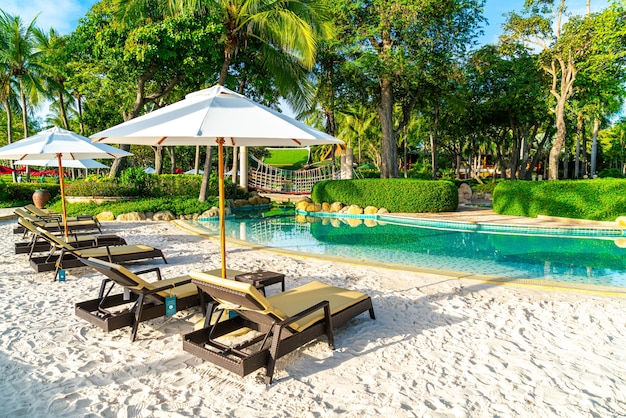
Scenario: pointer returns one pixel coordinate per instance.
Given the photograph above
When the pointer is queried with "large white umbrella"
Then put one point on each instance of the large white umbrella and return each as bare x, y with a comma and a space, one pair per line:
215, 116
62, 145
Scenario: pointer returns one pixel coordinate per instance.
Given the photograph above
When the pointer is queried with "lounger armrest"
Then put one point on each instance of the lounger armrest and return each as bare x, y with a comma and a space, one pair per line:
162, 288
51, 217
150, 270
84, 217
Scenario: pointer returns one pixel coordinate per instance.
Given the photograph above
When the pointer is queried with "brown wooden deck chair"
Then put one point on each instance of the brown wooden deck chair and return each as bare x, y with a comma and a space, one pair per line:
278, 324
55, 225
37, 244
147, 298
69, 256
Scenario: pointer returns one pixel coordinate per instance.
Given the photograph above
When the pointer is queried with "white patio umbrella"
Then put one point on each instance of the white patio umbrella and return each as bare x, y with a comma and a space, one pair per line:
86, 164
62, 145
215, 116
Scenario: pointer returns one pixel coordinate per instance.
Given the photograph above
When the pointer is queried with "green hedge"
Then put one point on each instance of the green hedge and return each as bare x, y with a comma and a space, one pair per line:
20, 194
396, 195
599, 199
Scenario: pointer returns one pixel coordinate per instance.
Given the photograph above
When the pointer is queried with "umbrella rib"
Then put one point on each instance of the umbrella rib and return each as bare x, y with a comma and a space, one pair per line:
160, 141
296, 141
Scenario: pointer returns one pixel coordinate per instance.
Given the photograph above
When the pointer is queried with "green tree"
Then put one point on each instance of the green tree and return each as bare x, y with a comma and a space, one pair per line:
399, 50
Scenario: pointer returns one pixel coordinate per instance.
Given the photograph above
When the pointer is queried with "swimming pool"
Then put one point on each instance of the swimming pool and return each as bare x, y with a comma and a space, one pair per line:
572, 256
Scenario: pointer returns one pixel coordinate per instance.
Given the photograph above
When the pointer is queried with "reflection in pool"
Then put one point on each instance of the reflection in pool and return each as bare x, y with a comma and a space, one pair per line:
564, 259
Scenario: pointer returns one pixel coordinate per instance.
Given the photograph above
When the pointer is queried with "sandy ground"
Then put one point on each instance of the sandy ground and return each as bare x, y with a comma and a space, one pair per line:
439, 347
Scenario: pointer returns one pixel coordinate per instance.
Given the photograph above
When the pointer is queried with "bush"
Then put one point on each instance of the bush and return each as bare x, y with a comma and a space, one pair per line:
20, 194
176, 205
611, 172
396, 195
602, 200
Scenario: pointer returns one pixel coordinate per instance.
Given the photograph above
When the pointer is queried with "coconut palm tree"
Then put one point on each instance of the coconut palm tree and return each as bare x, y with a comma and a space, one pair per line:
21, 56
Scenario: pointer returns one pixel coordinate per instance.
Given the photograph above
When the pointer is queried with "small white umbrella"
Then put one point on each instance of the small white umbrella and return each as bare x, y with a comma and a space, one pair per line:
62, 145
66, 163
215, 116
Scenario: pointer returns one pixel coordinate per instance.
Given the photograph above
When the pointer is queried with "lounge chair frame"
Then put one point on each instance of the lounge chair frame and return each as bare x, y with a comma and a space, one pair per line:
70, 257
55, 224
38, 244
147, 303
282, 338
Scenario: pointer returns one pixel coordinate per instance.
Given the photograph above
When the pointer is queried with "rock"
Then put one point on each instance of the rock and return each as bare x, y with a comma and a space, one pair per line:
301, 219
211, 213
325, 207
336, 207
264, 200
131, 216
254, 200
370, 223
382, 210
355, 210
370, 210
105, 216
313, 207
164, 215
301, 205
621, 221
241, 202
304, 199
465, 193
336, 223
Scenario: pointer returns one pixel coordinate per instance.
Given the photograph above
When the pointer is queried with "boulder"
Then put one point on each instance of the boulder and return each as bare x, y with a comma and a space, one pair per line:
305, 199
325, 207
354, 222
465, 193
301, 205
164, 215
313, 207
370, 210
621, 221
254, 200
382, 210
241, 202
336, 207
370, 223
131, 216
211, 213
355, 210
105, 216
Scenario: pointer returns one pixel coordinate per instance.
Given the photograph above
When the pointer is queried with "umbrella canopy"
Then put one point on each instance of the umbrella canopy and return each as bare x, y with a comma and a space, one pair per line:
66, 163
6, 170
62, 145
215, 116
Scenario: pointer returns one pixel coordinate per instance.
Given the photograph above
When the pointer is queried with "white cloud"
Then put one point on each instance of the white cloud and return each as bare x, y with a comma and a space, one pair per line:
62, 15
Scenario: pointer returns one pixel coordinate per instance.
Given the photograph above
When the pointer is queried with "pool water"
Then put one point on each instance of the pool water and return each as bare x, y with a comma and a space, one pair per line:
571, 259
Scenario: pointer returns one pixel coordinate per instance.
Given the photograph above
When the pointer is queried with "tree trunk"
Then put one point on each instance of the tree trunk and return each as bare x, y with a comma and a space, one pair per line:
66, 123
561, 132
172, 153
389, 150
579, 133
433, 141
204, 187
158, 159
594, 146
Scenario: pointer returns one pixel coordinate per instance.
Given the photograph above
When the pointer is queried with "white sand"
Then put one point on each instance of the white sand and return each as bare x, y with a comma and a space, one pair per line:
438, 348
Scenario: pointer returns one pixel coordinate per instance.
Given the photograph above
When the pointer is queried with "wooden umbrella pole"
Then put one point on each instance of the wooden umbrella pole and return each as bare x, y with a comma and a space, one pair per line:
62, 185
222, 197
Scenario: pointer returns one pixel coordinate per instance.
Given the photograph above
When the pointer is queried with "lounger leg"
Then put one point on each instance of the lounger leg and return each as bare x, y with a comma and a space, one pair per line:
271, 361
139, 308
329, 327
372, 313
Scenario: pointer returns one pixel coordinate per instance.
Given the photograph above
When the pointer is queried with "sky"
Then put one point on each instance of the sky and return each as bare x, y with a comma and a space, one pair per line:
63, 15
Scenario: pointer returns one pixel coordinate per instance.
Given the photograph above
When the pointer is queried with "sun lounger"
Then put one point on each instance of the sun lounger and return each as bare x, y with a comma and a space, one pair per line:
55, 225
278, 324
45, 214
140, 301
37, 244
69, 256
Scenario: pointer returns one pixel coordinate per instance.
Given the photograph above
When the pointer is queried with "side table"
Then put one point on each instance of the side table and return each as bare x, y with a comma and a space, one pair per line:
262, 279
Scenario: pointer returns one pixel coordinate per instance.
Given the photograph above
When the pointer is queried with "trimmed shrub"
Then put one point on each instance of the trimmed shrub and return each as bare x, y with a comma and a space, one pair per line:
602, 200
396, 195
20, 194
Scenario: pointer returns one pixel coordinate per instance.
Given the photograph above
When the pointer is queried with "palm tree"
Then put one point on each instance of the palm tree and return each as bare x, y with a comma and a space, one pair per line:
22, 59
53, 47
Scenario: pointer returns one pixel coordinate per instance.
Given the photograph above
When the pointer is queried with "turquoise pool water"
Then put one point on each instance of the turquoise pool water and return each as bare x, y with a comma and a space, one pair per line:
528, 253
